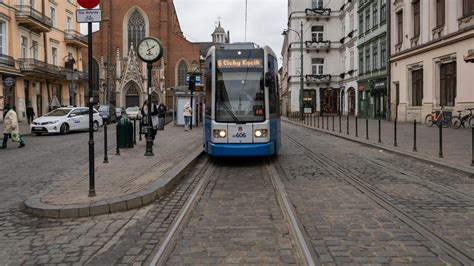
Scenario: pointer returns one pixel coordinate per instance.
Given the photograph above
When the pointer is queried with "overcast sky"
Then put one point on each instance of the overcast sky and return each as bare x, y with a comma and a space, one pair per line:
266, 20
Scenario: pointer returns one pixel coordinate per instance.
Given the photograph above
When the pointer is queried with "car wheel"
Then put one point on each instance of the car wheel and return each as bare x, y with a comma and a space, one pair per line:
64, 129
96, 126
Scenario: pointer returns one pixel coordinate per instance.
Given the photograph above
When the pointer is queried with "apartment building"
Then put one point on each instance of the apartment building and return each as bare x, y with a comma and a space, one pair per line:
315, 25
40, 55
431, 38
372, 56
349, 55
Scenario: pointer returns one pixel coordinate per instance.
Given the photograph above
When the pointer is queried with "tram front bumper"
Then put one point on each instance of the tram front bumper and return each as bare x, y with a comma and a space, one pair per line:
241, 150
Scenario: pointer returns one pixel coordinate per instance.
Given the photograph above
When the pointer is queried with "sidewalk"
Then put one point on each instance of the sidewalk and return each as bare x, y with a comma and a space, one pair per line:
128, 181
456, 147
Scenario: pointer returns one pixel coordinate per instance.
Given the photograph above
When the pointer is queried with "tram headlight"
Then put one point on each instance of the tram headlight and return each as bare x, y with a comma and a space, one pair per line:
219, 133
260, 133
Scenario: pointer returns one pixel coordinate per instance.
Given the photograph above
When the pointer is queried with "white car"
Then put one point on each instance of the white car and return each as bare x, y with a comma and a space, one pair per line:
133, 112
63, 120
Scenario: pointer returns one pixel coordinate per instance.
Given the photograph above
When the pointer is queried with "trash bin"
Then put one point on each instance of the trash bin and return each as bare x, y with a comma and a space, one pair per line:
125, 133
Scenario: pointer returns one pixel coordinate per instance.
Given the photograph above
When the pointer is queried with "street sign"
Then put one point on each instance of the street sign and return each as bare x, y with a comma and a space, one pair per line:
88, 15
88, 3
198, 80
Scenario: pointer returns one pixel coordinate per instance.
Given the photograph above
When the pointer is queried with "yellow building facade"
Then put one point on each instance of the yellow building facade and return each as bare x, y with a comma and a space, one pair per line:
40, 56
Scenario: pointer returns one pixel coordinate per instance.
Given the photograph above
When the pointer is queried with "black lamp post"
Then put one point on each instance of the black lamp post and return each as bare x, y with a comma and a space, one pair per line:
300, 36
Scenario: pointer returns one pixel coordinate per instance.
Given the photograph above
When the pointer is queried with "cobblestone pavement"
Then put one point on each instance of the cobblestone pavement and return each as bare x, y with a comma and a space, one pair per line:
237, 221
347, 226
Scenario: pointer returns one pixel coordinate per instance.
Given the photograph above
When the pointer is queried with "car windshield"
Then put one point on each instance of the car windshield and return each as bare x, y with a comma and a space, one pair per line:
133, 109
103, 108
239, 97
58, 112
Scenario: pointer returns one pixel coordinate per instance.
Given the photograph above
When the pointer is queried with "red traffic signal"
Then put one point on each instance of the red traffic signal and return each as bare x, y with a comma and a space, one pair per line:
89, 4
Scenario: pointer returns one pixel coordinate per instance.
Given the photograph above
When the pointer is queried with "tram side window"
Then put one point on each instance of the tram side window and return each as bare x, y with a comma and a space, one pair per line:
208, 87
272, 88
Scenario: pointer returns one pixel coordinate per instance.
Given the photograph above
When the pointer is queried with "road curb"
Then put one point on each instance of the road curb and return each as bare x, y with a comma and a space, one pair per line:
36, 207
456, 168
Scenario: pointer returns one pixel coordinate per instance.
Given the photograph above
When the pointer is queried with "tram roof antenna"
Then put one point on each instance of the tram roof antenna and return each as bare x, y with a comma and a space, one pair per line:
246, 20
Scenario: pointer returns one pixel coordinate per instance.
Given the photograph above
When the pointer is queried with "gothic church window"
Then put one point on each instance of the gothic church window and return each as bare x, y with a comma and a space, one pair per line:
182, 73
136, 28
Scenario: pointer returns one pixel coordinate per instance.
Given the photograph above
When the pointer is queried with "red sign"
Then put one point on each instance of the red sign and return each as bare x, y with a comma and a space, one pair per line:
89, 4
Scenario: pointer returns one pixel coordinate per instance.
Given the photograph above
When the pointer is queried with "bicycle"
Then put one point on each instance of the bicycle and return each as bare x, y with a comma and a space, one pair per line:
458, 121
438, 117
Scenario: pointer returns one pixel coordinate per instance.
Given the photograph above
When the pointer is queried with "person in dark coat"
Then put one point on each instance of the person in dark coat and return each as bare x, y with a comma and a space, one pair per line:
161, 116
30, 113
154, 117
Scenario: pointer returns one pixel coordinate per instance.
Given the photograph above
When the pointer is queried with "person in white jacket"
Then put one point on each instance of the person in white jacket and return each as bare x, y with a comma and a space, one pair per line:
188, 113
11, 128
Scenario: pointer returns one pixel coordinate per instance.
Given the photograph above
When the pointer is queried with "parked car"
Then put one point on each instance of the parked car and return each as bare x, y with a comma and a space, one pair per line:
65, 119
107, 112
119, 112
133, 112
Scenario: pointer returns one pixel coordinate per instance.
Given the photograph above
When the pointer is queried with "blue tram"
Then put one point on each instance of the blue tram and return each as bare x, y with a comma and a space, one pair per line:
242, 116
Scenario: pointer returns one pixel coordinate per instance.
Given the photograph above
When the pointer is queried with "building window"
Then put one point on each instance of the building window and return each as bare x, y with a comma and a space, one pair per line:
375, 55
68, 23
440, 10
24, 47
317, 66
34, 47
136, 29
361, 23
383, 12
375, 12
448, 84
361, 61
182, 73
468, 8
54, 56
351, 22
383, 55
52, 15
367, 59
416, 19
367, 19
317, 4
400, 27
3, 38
317, 33
417, 87
352, 59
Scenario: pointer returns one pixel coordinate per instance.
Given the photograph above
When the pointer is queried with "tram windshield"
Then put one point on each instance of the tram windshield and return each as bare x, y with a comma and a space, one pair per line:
240, 97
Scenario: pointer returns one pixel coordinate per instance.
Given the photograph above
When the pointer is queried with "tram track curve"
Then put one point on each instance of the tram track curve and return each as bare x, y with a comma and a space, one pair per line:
354, 179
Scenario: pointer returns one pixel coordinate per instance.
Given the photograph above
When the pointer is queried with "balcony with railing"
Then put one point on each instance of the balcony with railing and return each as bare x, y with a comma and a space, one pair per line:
38, 68
74, 38
318, 78
318, 13
318, 45
6, 60
33, 19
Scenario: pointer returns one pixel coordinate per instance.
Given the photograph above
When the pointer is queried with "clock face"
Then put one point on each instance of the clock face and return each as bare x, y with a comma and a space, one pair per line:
150, 50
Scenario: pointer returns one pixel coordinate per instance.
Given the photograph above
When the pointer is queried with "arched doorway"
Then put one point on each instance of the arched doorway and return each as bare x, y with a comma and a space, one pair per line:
352, 101
132, 97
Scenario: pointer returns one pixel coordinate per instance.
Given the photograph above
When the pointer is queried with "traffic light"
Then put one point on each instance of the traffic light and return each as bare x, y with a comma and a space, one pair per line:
192, 83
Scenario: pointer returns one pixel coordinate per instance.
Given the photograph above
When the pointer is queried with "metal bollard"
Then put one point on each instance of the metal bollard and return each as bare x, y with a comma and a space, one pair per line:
441, 139
356, 128
414, 135
332, 123
134, 132
140, 130
472, 146
367, 128
395, 132
340, 124
318, 121
380, 131
327, 123
347, 130
322, 122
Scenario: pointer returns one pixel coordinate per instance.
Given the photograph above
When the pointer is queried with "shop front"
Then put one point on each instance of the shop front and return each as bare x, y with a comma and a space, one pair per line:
373, 98
309, 101
330, 101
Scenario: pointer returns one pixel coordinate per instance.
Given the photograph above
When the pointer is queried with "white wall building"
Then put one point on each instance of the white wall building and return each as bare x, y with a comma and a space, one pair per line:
320, 24
429, 41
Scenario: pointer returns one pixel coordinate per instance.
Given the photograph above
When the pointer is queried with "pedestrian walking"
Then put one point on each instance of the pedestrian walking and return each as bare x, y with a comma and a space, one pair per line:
154, 117
30, 113
11, 128
161, 116
188, 113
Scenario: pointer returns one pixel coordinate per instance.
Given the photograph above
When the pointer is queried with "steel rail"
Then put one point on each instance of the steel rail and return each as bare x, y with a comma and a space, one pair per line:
453, 250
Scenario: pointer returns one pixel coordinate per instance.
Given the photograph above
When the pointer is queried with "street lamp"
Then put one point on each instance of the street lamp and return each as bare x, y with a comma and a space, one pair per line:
300, 36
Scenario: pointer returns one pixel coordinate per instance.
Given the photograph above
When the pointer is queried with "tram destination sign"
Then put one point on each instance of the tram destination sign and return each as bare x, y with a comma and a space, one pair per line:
240, 63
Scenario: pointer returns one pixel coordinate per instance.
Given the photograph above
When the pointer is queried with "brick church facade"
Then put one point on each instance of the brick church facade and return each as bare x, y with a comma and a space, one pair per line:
124, 24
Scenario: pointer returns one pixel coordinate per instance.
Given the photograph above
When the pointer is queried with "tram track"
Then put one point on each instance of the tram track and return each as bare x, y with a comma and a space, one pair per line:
210, 173
455, 251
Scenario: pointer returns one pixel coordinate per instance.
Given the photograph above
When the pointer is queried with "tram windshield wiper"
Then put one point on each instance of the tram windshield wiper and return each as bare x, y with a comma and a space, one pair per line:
236, 120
